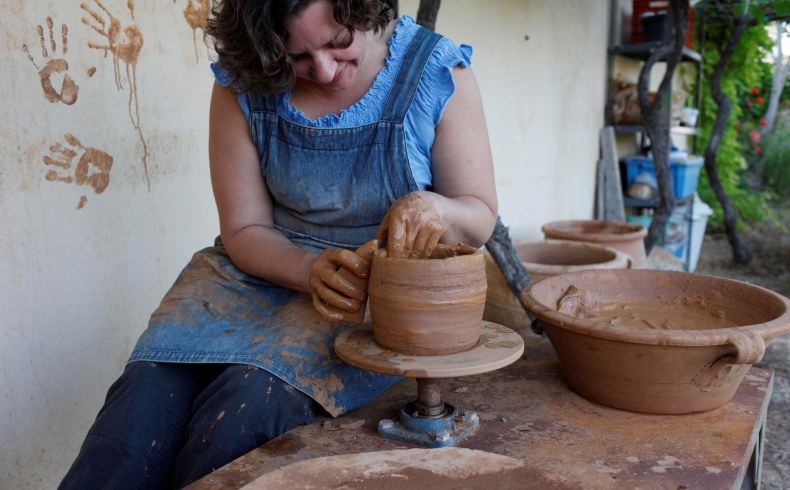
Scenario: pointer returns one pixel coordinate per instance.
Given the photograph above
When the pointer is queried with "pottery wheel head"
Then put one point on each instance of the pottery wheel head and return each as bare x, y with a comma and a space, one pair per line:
497, 347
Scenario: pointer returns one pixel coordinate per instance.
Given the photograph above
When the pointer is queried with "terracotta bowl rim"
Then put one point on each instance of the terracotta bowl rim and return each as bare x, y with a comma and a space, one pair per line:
692, 338
381, 254
632, 230
616, 256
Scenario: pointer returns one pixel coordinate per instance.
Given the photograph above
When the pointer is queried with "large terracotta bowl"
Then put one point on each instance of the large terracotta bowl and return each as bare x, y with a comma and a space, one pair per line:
427, 306
656, 341
620, 235
542, 259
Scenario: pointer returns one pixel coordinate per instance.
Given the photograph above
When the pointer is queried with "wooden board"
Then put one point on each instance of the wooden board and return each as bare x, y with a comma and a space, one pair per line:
609, 193
416, 468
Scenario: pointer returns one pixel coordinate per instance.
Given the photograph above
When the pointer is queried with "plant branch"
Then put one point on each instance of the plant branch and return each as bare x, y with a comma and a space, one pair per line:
740, 249
656, 114
427, 13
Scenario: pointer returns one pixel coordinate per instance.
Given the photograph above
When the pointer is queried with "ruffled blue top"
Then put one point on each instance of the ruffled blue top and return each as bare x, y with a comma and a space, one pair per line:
435, 90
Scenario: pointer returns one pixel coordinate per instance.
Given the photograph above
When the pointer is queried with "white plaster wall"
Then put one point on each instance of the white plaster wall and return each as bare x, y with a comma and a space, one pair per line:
541, 66
77, 284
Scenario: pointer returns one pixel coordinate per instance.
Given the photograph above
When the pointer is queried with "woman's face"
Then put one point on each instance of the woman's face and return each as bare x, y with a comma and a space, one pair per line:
315, 43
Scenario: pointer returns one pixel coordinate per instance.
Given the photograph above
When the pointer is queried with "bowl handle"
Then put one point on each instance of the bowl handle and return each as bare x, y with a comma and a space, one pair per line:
750, 346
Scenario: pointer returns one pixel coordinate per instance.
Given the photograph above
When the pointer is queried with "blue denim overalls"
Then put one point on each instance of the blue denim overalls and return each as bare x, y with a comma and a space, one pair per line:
331, 188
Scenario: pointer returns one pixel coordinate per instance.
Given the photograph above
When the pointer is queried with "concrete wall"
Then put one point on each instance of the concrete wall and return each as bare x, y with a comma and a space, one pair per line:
105, 193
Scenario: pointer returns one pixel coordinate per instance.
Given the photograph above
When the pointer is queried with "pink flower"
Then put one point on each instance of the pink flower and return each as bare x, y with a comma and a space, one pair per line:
755, 136
758, 150
749, 103
763, 123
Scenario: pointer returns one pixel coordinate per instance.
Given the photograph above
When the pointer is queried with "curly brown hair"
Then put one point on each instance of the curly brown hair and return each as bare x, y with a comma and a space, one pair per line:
249, 37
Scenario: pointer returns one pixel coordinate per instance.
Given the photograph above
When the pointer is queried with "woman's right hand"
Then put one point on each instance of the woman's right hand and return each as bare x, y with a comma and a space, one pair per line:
413, 226
339, 283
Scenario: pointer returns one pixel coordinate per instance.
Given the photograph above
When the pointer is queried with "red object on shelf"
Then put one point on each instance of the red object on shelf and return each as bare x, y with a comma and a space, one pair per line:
641, 7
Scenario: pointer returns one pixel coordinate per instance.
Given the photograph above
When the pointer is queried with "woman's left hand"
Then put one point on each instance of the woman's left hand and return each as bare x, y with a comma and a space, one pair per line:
413, 226
339, 283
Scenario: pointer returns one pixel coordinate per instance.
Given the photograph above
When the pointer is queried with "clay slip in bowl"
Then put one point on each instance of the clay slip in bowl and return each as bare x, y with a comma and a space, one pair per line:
656, 341
427, 306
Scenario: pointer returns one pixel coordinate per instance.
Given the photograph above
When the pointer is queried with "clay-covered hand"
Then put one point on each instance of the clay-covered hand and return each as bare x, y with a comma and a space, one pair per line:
412, 227
339, 283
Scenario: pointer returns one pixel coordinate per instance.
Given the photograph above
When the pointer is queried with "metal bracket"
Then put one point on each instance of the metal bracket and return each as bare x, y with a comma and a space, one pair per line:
444, 430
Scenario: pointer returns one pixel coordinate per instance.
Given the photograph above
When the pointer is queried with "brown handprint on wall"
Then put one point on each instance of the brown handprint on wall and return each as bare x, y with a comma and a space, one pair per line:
69, 89
197, 14
93, 166
124, 44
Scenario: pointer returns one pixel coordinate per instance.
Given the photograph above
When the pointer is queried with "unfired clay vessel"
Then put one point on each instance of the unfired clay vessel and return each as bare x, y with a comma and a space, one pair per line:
656, 341
427, 306
620, 235
541, 260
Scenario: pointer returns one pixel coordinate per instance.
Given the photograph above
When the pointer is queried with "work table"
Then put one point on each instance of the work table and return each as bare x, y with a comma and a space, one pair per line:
527, 412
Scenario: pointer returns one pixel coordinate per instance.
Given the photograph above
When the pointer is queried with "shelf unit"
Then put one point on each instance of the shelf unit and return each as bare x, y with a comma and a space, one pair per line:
642, 52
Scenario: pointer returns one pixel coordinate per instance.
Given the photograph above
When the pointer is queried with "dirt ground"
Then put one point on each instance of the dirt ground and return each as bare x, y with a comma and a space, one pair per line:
769, 268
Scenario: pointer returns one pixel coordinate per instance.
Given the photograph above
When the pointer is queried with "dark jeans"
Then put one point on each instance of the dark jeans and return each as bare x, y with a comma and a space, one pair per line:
165, 425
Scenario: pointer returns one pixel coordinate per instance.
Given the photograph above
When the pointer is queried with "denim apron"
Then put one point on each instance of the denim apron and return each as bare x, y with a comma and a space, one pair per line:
330, 188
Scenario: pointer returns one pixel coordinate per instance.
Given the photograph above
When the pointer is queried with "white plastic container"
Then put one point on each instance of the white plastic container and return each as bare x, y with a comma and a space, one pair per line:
678, 241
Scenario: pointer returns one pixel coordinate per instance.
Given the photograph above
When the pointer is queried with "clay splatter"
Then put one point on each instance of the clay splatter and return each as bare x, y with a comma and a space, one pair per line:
197, 14
93, 166
54, 64
219, 417
124, 44
665, 463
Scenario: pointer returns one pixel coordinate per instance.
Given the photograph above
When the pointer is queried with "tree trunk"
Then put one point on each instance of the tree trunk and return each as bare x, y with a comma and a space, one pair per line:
778, 81
427, 12
504, 254
656, 115
740, 249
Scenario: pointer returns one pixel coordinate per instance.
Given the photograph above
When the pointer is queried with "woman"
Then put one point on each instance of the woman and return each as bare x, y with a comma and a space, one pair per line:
332, 129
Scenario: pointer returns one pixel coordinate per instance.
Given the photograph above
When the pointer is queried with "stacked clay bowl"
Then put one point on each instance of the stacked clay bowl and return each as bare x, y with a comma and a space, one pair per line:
621, 235
428, 306
653, 341
541, 260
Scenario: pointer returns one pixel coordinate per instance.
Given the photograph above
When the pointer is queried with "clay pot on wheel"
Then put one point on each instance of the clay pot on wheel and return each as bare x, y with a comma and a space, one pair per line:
427, 306
656, 341
620, 235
